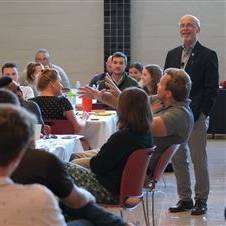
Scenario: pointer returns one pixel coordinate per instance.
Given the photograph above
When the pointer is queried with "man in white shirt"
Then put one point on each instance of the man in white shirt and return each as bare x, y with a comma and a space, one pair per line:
11, 70
78, 203
21, 204
42, 56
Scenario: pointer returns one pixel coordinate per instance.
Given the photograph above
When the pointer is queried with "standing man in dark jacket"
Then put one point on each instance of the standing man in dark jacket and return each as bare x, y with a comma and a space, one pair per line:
201, 64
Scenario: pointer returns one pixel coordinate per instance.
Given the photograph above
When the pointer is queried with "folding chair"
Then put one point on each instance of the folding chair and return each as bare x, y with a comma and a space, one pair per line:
159, 169
132, 181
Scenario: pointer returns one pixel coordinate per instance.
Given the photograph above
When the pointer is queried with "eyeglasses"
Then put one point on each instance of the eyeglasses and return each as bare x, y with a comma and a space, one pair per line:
188, 25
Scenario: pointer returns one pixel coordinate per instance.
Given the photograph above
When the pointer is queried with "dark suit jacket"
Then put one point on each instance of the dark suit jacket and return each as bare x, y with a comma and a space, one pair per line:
97, 79
202, 68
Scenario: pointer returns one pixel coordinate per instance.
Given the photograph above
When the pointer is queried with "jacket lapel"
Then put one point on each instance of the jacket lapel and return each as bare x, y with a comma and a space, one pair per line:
193, 56
178, 57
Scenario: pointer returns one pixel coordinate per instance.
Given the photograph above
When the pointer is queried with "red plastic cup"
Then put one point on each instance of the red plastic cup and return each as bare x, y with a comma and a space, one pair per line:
87, 104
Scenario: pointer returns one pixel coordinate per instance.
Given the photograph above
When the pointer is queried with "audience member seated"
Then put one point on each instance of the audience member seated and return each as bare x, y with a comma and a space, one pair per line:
51, 102
54, 106
173, 122
42, 56
151, 76
9, 84
118, 75
103, 177
135, 71
7, 97
39, 166
95, 81
21, 204
11, 70
30, 75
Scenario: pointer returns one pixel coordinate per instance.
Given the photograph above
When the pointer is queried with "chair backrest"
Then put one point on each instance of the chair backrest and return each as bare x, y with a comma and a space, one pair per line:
60, 126
99, 106
162, 163
133, 177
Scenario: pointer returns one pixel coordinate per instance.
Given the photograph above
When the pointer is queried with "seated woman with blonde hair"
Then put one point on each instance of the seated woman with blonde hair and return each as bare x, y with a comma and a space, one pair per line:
51, 102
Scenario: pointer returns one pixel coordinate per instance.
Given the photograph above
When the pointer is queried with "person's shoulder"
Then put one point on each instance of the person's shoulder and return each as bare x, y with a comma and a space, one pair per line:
123, 133
119, 133
100, 75
36, 190
40, 155
31, 103
34, 99
97, 78
41, 193
62, 99
182, 109
203, 48
57, 67
174, 50
131, 80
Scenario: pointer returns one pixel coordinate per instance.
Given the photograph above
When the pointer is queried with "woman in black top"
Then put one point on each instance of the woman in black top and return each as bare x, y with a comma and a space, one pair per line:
106, 167
50, 100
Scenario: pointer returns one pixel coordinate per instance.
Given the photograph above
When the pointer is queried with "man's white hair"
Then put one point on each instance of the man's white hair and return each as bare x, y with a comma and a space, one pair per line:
194, 19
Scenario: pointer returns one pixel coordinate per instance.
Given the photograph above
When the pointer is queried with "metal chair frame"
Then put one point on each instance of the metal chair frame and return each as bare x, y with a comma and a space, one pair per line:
158, 172
132, 181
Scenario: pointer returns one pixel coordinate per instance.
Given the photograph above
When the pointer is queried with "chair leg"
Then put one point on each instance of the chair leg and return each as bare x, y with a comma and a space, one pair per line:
146, 217
164, 181
121, 213
147, 206
153, 206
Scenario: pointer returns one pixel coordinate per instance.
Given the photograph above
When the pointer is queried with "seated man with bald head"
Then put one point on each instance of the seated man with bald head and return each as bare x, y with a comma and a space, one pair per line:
42, 56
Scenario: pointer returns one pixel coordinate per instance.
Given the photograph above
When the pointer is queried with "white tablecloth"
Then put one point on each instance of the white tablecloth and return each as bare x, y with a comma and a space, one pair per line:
99, 128
62, 146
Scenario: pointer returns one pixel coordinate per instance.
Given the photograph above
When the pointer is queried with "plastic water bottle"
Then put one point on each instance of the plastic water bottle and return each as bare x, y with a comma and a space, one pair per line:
71, 96
77, 85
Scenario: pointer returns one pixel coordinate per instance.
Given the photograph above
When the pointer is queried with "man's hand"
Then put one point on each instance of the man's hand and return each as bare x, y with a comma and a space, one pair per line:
113, 88
90, 92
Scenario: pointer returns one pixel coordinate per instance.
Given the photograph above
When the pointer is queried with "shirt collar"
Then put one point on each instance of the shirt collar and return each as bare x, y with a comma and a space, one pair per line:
120, 80
182, 103
191, 46
5, 181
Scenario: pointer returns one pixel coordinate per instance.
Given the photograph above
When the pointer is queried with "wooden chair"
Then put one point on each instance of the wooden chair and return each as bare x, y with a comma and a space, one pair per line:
132, 181
159, 169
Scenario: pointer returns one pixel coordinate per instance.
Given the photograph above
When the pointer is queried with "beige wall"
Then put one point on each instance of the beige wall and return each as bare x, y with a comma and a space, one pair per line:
154, 28
71, 30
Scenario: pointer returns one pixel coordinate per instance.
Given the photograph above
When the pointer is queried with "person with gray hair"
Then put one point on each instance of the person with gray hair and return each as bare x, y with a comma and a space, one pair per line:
201, 64
42, 56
